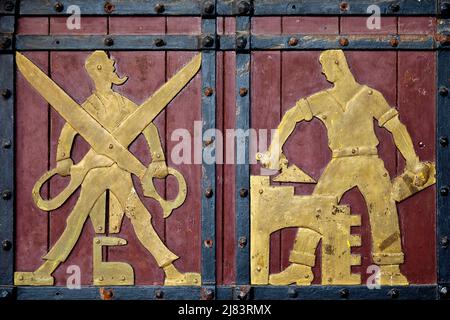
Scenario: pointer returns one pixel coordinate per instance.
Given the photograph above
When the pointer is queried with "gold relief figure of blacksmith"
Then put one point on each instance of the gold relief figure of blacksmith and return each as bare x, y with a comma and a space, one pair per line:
348, 110
104, 116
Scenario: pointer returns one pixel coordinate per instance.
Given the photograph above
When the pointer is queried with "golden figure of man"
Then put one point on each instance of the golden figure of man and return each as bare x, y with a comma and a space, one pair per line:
347, 111
109, 109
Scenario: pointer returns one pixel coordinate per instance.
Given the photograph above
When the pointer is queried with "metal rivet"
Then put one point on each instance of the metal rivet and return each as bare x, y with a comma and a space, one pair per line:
242, 295
159, 8
109, 7
243, 193
443, 91
209, 193
243, 92
6, 43
208, 294
261, 191
394, 42
109, 41
4, 294
443, 291
344, 293
243, 7
444, 241
110, 146
208, 41
394, 7
9, 6
7, 144
293, 41
100, 278
208, 92
6, 194
393, 293
208, 243
6, 93
445, 8
343, 6
242, 242
241, 42
343, 41
6, 245
443, 141
159, 42
421, 144
444, 191
292, 293
159, 294
59, 7
208, 7
107, 294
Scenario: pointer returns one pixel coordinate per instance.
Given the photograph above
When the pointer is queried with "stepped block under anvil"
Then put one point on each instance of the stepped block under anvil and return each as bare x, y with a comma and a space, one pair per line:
276, 207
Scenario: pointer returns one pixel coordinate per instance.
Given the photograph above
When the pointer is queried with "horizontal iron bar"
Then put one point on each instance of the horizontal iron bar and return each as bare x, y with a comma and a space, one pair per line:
315, 292
370, 42
112, 7
229, 7
228, 42
128, 42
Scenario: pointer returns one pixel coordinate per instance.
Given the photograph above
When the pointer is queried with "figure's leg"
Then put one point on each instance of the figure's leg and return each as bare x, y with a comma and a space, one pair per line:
141, 220
62, 248
302, 256
386, 239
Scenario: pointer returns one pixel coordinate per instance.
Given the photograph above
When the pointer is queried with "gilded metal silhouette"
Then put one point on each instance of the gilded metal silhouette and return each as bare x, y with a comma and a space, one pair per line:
347, 111
109, 122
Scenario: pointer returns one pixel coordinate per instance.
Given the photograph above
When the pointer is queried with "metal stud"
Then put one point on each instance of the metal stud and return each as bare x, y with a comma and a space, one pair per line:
9, 6
344, 293
443, 141
242, 242
208, 7
343, 41
444, 191
243, 193
6, 93
444, 241
6, 245
243, 7
393, 293
6, 194
241, 42
394, 7
109, 41
208, 41
209, 193
59, 7
159, 42
6, 144
243, 92
159, 8
159, 294
443, 91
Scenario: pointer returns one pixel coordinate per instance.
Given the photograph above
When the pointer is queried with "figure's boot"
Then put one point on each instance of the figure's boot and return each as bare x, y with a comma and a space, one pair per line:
390, 275
296, 273
41, 277
176, 278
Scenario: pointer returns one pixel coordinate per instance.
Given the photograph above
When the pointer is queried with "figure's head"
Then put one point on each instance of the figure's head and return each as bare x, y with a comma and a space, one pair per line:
334, 65
102, 71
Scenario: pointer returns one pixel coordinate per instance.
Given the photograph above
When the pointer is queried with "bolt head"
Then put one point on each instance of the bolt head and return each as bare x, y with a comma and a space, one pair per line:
6, 245
159, 8
209, 193
293, 41
292, 293
9, 6
241, 42
109, 41
6, 93
242, 242
443, 291
208, 7
393, 293
242, 295
394, 7
443, 91
445, 8
159, 42
159, 294
6, 194
394, 42
343, 42
243, 193
59, 7
208, 41
243, 92
444, 241
243, 7
208, 92
109, 7
6, 43
444, 191
344, 293
443, 141
7, 144
209, 294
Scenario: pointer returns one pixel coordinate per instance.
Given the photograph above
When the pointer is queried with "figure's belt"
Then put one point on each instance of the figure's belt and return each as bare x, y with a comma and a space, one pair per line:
355, 151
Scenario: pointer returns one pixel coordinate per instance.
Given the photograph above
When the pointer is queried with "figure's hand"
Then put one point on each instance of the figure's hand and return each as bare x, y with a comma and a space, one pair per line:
158, 169
271, 161
421, 174
63, 167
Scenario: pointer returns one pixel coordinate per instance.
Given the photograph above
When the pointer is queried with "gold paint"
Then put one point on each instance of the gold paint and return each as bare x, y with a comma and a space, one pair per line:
109, 122
110, 273
347, 110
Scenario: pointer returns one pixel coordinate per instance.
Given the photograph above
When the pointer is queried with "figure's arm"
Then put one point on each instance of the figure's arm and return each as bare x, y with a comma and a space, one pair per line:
388, 118
65, 142
301, 111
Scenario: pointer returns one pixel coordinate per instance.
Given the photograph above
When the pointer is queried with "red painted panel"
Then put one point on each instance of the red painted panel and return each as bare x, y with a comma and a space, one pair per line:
311, 25
416, 25
31, 162
416, 103
138, 25
358, 25
32, 25
88, 25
